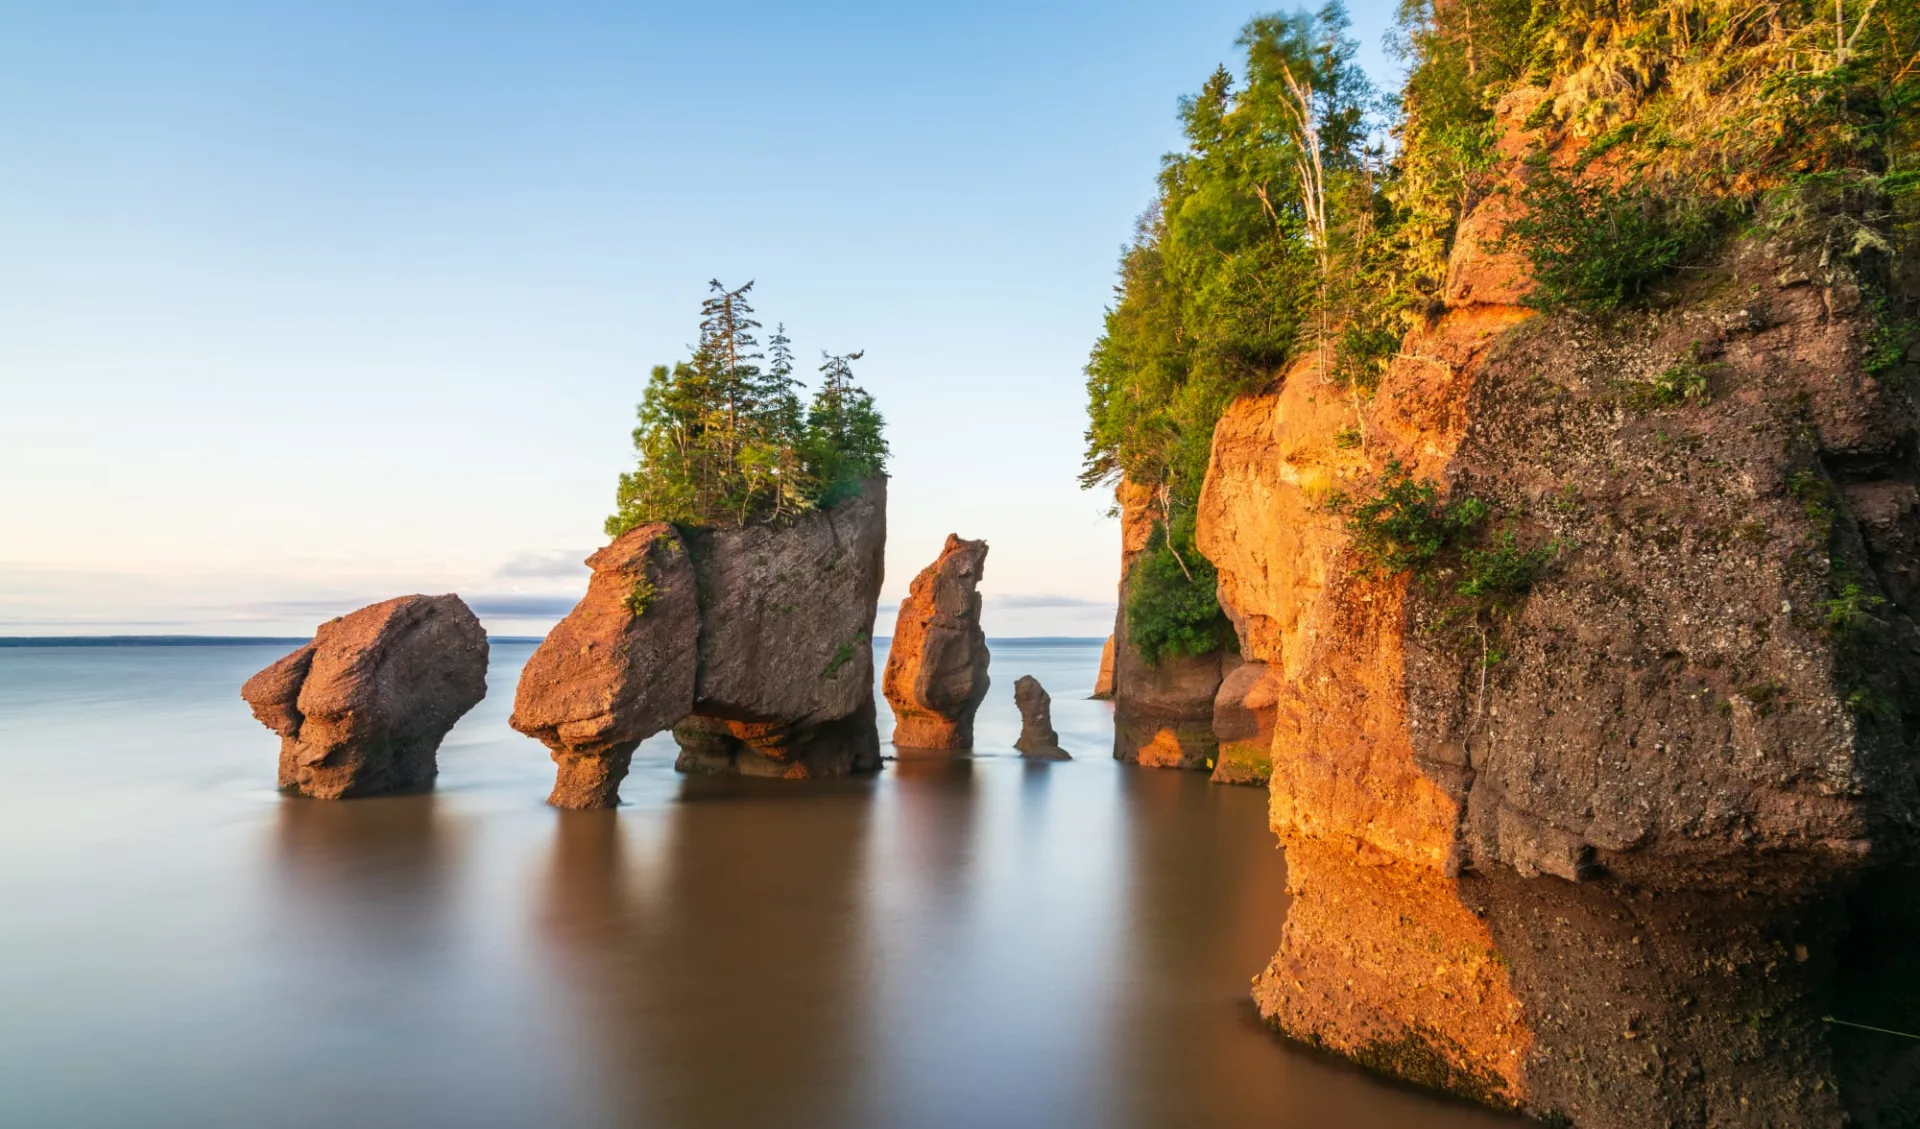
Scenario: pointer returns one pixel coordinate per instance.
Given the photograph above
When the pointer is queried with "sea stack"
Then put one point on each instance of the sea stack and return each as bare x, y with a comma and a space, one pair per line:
362, 709
936, 673
618, 669
753, 644
1037, 740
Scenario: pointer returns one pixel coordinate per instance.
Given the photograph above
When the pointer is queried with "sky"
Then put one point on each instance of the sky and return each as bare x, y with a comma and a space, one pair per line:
305, 305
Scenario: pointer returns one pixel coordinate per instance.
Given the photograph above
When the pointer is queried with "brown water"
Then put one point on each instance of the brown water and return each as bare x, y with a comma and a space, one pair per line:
976, 943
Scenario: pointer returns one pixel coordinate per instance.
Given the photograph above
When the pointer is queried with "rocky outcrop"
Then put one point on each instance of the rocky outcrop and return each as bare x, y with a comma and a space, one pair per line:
363, 708
618, 669
754, 644
1103, 682
1037, 738
1163, 712
1243, 715
936, 673
1589, 853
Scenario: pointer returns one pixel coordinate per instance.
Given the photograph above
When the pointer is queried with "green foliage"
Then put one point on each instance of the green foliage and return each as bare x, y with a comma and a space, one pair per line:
723, 441
842, 655
1503, 570
1683, 381
1172, 601
640, 597
1223, 276
1851, 609
1402, 525
1595, 247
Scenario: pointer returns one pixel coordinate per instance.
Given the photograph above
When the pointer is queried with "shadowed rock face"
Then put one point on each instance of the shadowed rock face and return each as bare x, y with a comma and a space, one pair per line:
1607, 876
362, 709
620, 668
936, 672
1163, 712
1037, 738
754, 644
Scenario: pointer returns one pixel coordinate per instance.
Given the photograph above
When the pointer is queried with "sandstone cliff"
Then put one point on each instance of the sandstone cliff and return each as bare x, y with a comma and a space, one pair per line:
1163, 712
1589, 855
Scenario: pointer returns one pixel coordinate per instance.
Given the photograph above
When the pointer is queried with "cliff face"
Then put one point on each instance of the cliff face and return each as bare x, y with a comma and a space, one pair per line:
1163, 712
1590, 856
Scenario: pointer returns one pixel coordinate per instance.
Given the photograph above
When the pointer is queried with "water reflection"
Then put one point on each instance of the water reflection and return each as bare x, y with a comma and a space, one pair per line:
727, 989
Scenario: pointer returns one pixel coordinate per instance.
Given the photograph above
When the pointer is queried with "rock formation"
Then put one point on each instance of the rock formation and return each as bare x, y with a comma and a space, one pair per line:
1243, 715
362, 709
618, 669
936, 673
1163, 713
1590, 857
1037, 738
754, 644
1103, 682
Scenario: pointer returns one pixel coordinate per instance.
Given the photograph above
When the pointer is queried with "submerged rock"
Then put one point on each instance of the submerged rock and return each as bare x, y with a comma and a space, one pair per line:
618, 669
1037, 738
362, 709
936, 673
754, 644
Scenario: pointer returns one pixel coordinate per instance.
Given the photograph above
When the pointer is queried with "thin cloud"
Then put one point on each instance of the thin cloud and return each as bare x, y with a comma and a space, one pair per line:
555, 563
522, 607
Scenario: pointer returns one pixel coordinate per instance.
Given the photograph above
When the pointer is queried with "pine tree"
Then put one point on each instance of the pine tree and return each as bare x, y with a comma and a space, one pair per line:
723, 441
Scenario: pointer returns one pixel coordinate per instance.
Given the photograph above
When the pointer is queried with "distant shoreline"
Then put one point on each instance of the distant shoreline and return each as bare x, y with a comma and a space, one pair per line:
296, 640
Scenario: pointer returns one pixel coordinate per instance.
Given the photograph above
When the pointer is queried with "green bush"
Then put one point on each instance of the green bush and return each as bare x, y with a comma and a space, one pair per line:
1172, 600
1682, 381
640, 597
1402, 525
1595, 247
1503, 569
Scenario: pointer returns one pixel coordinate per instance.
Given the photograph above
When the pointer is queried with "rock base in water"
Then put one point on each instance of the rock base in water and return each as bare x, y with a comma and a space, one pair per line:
1037, 740
363, 708
936, 673
849, 746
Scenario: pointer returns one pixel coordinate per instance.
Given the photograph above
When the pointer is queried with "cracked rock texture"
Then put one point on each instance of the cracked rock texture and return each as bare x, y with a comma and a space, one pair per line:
936, 673
1607, 853
362, 709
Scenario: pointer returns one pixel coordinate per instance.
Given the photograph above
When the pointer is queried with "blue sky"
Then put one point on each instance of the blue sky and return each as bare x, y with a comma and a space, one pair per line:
308, 304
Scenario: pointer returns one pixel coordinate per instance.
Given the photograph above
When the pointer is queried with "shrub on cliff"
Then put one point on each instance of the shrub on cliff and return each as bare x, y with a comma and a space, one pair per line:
722, 441
1172, 599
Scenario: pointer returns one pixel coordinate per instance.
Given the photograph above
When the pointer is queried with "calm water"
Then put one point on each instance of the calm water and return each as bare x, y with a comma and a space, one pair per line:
976, 943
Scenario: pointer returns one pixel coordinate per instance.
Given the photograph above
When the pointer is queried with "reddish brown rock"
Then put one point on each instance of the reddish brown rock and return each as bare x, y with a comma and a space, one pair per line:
1591, 857
1163, 712
1243, 715
1037, 740
1103, 682
618, 669
754, 644
363, 708
936, 671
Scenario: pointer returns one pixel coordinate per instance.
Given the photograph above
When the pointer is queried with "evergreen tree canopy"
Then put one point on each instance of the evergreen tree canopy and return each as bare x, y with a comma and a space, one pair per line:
1231, 273
723, 441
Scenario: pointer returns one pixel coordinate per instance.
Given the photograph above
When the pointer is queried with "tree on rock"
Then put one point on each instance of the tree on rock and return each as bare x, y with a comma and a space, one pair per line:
722, 440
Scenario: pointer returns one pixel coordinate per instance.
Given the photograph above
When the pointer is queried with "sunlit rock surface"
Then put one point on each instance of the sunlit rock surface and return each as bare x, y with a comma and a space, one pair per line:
1597, 856
754, 644
362, 709
936, 673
